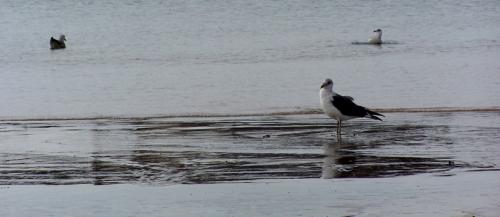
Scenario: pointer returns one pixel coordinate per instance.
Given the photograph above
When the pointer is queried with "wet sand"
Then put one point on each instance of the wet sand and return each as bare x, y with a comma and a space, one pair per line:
412, 164
198, 150
464, 195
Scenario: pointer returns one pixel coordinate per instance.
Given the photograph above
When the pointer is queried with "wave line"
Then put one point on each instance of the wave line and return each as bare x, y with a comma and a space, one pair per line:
309, 111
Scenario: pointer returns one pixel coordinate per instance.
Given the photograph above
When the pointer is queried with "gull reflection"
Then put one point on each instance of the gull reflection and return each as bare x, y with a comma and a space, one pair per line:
329, 168
339, 161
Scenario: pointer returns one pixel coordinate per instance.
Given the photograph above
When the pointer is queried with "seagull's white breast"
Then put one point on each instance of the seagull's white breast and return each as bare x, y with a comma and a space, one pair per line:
377, 39
327, 106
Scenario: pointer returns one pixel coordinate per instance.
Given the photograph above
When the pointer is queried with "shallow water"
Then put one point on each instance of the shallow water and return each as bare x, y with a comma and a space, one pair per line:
150, 58
163, 151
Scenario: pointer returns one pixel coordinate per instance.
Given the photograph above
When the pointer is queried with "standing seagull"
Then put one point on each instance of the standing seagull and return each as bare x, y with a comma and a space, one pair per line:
58, 44
341, 108
377, 38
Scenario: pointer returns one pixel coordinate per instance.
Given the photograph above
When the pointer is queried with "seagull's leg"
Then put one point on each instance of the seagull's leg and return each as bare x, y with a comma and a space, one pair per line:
338, 126
340, 130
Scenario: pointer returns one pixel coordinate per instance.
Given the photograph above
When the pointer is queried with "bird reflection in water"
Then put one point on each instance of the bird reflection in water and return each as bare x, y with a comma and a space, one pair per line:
329, 169
338, 160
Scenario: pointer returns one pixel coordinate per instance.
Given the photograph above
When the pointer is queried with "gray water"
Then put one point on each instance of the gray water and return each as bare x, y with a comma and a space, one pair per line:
147, 58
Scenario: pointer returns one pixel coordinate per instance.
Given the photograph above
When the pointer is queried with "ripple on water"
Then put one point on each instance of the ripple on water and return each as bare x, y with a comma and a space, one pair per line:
228, 149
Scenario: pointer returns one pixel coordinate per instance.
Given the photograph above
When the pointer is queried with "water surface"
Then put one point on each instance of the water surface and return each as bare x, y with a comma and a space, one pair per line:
164, 151
150, 58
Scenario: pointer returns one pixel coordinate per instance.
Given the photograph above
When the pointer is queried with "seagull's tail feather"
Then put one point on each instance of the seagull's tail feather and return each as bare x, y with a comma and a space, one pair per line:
373, 115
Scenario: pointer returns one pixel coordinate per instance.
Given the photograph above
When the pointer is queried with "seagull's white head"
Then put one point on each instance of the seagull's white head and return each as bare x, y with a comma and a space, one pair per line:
378, 33
327, 84
62, 38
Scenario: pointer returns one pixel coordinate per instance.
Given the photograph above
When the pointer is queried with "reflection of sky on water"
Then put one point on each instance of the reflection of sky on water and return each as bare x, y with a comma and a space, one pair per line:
208, 150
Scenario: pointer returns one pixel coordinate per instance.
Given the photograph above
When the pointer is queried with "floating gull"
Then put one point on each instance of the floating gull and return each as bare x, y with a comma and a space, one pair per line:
342, 108
377, 38
58, 44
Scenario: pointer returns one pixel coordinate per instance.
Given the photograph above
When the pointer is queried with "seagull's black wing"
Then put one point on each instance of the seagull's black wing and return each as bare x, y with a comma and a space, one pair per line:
349, 97
347, 107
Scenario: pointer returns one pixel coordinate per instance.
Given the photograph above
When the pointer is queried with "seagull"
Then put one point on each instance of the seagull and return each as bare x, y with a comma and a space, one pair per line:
58, 44
377, 38
342, 108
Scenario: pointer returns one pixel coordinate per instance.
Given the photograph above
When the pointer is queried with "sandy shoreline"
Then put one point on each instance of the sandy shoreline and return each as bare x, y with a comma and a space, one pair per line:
466, 194
412, 164
292, 112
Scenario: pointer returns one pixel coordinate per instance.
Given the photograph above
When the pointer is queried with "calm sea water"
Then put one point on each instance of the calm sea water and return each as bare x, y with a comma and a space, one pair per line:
144, 58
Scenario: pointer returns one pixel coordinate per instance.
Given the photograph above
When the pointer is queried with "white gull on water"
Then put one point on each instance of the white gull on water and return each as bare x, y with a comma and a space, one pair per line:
377, 38
342, 108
